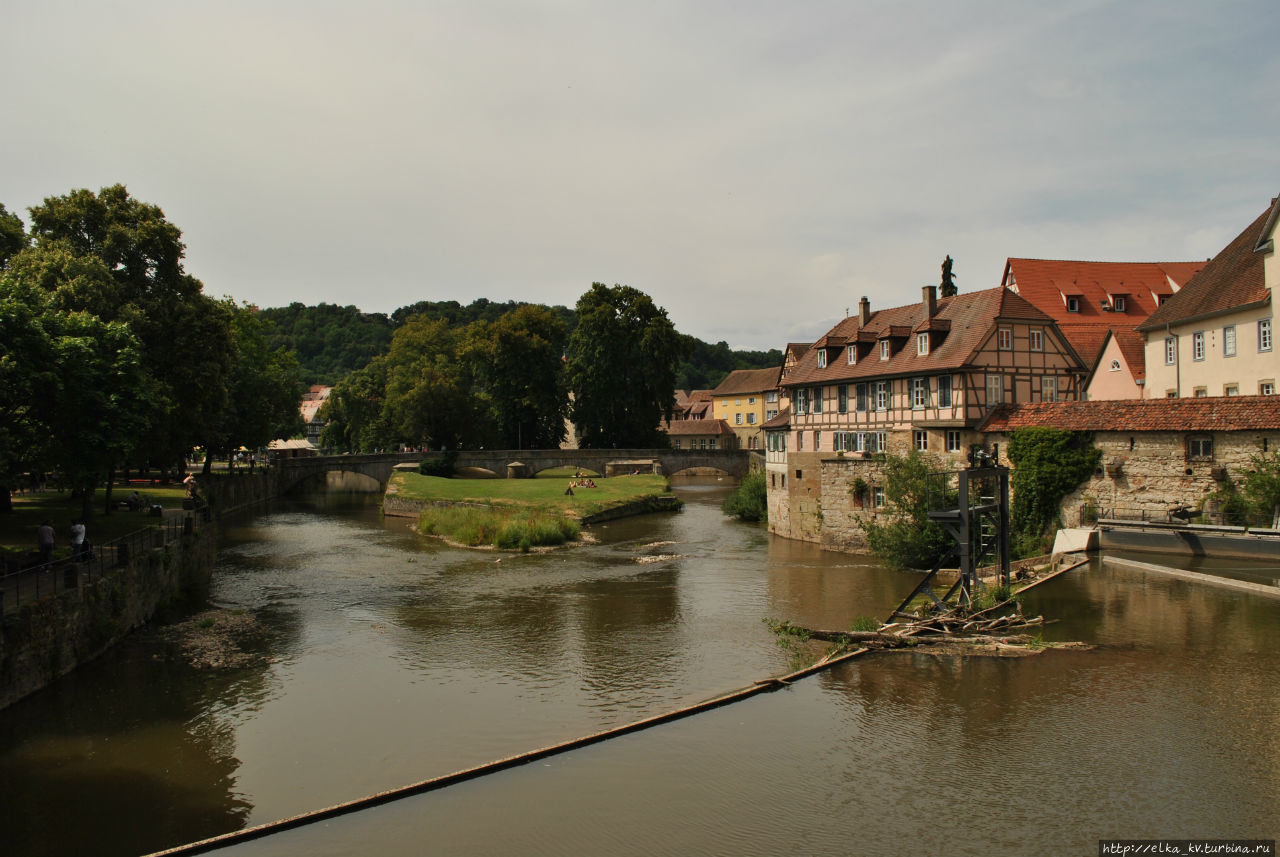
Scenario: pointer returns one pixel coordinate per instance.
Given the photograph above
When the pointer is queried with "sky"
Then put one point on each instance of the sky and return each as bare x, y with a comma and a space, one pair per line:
754, 167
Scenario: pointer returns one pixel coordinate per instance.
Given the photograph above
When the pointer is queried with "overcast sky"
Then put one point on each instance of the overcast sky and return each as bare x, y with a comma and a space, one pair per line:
755, 167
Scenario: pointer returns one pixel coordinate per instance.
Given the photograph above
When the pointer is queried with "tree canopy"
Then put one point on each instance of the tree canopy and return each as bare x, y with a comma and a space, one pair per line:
622, 368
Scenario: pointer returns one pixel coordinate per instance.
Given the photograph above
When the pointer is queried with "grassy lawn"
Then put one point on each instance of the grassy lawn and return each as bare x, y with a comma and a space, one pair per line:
539, 494
18, 531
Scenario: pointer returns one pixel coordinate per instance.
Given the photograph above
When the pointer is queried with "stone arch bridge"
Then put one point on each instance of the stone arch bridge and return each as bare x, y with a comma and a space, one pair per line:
524, 462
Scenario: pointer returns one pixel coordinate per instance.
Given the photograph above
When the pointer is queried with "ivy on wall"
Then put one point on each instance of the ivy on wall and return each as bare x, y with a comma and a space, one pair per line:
1048, 464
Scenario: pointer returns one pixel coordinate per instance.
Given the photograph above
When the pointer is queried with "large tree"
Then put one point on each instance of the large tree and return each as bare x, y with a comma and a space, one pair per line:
263, 390
71, 392
185, 336
353, 413
12, 236
519, 360
429, 387
622, 368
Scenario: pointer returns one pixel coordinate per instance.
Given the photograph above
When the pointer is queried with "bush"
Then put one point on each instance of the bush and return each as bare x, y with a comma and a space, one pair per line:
442, 466
1048, 464
915, 485
750, 500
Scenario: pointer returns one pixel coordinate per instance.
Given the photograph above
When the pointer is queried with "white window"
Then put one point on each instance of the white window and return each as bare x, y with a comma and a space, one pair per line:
1170, 350
675, 443
1048, 388
1197, 345
882, 395
817, 441
919, 393
953, 440
1264, 335
921, 439
1073, 304
995, 390
922, 343
737, 419
884, 349
852, 356
1231, 390
751, 419
1229, 341
1004, 339
1115, 365
1118, 303
799, 440
751, 401
1037, 340
822, 358
944, 391
771, 396
802, 400
815, 400
1266, 388
711, 444
877, 496
1201, 392
770, 414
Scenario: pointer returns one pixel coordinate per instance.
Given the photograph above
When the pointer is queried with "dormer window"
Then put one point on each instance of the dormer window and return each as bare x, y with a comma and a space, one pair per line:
922, 343
884, 349
1073, 303
822, 358
852, 357
1117, 303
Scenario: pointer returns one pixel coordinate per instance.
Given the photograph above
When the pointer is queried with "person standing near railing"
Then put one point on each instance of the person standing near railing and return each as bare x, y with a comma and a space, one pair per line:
77, 539
44, 540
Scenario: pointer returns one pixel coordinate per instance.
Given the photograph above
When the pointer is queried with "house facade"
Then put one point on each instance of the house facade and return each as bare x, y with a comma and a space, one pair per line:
1216, 336
744, 400
923, 377
699, 434
1120, 372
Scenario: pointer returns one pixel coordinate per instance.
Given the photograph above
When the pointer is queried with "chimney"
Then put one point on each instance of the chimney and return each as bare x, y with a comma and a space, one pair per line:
929, 297
864, 312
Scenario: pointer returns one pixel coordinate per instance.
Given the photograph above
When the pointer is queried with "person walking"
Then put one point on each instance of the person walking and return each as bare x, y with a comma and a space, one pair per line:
44, 540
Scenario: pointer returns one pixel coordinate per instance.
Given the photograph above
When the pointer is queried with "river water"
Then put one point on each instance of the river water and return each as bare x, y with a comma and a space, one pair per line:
393, 659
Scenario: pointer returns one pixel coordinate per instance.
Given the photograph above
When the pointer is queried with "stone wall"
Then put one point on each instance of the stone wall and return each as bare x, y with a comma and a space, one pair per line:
47, 639
1151, 471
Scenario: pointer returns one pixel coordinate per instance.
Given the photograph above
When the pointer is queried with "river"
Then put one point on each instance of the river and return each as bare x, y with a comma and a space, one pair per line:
392, 659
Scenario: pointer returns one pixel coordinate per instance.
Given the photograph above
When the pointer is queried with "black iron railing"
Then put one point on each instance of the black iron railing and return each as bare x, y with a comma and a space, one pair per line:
24, 585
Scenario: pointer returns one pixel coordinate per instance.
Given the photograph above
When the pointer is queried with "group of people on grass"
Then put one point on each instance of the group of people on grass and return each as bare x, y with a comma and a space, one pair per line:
46, 538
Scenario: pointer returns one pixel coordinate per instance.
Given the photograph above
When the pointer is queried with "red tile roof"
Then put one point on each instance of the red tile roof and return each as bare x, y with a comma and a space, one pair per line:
781, 421
742, 381
1047, 283
1216, 413
703, 428
1232, 279
970, 315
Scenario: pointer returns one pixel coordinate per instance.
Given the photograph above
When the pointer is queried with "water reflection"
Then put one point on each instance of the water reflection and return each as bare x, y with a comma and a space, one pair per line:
394, 659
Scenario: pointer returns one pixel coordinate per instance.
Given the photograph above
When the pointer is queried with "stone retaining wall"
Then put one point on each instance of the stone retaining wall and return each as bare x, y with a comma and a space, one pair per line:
47, 639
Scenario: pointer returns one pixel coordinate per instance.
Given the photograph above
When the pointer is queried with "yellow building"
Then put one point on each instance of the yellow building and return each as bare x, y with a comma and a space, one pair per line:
744, 400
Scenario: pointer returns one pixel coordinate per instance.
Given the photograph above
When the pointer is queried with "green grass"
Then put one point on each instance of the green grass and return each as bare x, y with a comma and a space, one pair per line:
537, 494
516, 514
18, 530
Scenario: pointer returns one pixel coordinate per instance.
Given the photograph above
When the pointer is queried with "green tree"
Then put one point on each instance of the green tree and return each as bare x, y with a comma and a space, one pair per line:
622, 368
354, 412
750, 500
69, 390
429, 387
1261, 487
915, 485
263, 390
1048, 464
12, 236
185, 336
519, 358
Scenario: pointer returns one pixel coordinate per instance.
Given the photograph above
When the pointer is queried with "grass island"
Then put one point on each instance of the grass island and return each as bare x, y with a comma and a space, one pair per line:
520, 514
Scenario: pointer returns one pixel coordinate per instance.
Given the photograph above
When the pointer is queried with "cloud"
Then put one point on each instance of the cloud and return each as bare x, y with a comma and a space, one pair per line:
755, 168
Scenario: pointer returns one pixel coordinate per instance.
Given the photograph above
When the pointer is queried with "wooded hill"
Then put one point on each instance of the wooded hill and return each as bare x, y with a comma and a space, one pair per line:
332, 341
